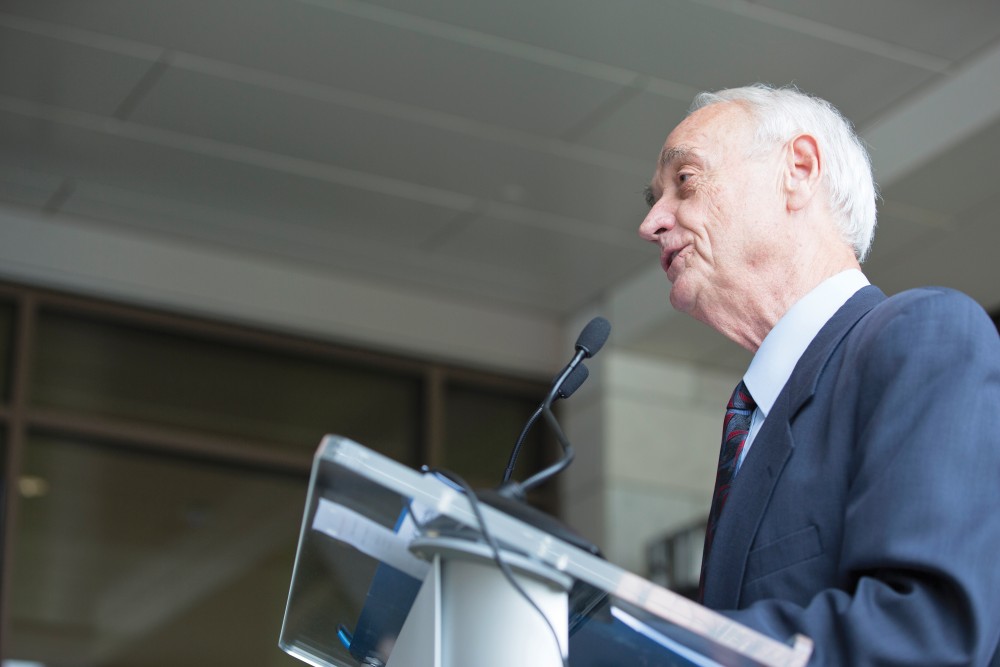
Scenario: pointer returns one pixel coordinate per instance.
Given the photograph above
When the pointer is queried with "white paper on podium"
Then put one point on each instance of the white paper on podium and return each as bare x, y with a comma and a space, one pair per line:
370, 537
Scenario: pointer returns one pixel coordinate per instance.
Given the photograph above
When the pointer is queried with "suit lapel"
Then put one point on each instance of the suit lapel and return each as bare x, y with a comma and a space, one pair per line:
771, 450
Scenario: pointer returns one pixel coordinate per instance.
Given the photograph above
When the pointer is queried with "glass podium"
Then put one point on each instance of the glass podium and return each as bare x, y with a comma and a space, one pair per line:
363, 560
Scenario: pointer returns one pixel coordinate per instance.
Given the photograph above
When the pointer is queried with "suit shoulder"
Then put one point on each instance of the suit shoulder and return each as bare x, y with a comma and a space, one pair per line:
932, 302
933, 295
932, 316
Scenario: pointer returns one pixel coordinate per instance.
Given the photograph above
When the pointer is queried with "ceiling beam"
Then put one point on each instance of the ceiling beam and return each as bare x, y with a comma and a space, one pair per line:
62, 252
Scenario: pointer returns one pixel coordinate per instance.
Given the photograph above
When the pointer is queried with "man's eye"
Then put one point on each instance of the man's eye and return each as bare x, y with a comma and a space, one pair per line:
683, 178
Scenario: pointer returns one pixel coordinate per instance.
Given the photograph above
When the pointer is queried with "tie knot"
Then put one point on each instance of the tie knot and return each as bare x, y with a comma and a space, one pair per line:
741, 399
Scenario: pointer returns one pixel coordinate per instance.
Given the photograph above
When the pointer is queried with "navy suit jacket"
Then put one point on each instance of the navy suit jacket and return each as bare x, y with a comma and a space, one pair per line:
867, 512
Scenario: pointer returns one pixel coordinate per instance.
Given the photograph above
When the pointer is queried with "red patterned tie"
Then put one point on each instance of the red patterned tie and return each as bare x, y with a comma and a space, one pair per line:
734, 436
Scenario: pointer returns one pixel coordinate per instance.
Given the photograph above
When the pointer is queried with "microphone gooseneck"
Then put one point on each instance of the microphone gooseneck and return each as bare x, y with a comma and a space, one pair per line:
573, 381
588, 343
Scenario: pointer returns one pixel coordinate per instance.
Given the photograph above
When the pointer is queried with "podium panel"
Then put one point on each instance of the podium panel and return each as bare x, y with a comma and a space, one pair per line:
355, 578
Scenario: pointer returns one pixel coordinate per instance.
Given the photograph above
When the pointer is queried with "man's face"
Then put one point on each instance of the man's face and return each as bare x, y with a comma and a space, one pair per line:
713, 212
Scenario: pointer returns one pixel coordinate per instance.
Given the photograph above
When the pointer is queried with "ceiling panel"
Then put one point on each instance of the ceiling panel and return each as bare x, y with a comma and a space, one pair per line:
351, 215
567, 269
320, 45
694, 44
950, 30
945, 184
41, 69
602, 33
389, 146
638, 126
232, 28
20, 186
165, 173
722, 49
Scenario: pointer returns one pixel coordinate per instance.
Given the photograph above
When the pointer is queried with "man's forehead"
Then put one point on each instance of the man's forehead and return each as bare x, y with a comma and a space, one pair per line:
704, 132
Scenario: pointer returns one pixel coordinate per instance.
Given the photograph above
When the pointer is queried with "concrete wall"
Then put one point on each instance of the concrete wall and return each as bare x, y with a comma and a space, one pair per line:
647, 436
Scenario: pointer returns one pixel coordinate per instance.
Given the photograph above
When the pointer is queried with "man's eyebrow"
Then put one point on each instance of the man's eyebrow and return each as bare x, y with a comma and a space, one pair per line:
674, 154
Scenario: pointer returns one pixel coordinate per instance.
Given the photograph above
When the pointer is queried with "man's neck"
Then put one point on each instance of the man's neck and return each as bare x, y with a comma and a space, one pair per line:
748, 323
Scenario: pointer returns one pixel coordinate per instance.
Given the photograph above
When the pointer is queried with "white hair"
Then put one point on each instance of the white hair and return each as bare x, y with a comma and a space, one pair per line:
781, 114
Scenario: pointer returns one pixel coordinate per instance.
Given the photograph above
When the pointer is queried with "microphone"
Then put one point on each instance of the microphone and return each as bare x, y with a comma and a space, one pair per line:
588, 343
573, 381
592, 338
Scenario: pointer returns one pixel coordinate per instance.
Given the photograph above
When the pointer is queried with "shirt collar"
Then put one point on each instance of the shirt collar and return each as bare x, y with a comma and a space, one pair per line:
781, 349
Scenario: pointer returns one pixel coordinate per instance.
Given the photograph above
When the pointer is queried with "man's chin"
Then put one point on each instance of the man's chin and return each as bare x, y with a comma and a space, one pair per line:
680, 299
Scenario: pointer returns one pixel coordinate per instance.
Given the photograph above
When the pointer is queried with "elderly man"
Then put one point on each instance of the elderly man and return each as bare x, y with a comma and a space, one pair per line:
859, 481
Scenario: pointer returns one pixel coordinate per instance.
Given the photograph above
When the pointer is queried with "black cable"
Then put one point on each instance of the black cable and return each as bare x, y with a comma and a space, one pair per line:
495, 548
517, 446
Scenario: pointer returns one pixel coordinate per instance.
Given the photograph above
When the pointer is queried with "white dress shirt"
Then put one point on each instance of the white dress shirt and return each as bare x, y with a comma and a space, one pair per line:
777, 356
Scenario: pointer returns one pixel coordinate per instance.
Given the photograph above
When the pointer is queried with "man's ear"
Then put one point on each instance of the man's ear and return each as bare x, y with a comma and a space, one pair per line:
803, 170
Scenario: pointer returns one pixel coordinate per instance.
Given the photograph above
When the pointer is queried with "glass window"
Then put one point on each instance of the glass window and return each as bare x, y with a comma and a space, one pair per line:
126, 555
6, 349
4, 491
126, 558
90, 366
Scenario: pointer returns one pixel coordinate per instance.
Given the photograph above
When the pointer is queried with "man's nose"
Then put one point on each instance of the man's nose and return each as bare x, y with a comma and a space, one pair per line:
658, 221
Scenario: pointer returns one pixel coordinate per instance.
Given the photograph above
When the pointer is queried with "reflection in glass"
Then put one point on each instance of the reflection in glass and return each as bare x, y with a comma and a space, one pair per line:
115, 370
141, 560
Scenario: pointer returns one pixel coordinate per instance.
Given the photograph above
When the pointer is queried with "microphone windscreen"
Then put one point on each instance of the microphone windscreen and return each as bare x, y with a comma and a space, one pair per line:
573, 381
593, 336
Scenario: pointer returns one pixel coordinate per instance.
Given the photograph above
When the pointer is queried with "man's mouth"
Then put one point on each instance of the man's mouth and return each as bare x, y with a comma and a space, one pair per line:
668, 258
